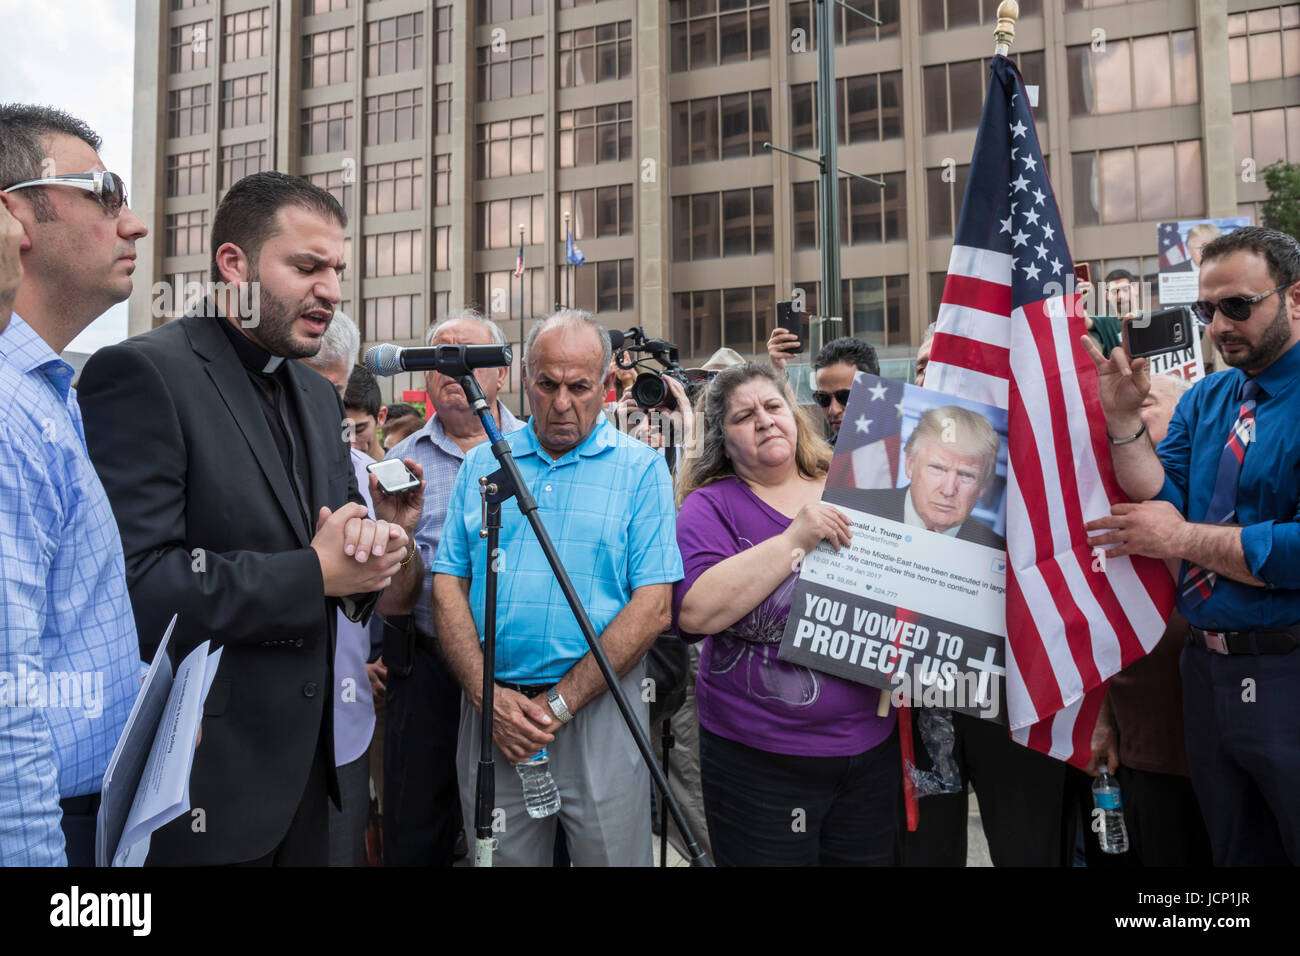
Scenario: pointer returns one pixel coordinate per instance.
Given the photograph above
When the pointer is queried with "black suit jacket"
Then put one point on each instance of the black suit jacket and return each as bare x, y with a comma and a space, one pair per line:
211, 529
888, 503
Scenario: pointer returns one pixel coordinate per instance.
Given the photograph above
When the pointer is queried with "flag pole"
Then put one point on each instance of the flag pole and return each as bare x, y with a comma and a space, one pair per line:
523, 396
568, 266
1005, 31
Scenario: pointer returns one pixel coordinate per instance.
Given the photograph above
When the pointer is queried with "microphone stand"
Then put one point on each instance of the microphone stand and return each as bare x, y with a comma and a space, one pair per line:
501, 485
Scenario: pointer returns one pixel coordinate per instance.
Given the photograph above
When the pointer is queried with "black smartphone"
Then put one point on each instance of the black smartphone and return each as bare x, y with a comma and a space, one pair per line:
394, 477
791, 321
1165, 330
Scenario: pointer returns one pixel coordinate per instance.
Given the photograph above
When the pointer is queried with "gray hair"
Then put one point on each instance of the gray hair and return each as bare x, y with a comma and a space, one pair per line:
467, 315
340, 344
928, 334
570, 318
1176, 382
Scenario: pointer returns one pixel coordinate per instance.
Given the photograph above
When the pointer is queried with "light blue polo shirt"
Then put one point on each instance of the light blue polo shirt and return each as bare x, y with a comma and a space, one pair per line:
608, 506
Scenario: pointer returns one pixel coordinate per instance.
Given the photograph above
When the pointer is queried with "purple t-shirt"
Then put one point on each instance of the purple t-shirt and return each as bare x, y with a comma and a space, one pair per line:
743, 692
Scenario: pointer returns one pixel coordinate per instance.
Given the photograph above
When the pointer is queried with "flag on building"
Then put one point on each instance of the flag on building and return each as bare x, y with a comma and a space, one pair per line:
1008, 334
519, 262
574, 254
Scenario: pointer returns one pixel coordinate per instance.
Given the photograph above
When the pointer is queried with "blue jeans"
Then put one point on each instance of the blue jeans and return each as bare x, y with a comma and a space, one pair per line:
768, 809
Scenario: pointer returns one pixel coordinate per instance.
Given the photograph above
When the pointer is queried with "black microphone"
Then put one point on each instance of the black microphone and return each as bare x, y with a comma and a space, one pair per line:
450, 360
616, 339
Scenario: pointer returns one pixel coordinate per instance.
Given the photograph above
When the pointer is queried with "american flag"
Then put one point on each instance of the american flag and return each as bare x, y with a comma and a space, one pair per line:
1173, 251
1008, 335
867, 451
519, 262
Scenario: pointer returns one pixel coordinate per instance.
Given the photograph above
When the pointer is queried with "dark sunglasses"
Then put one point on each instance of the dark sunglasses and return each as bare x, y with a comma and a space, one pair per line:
1235, 307
109, 189
824, 398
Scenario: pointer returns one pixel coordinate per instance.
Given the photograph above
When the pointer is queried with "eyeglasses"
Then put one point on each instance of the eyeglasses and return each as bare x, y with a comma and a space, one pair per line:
824, 398
109, 189
1235, 307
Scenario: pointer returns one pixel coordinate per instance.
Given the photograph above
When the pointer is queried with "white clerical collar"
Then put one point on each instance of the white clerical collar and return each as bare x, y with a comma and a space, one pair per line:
272, 364
910, 517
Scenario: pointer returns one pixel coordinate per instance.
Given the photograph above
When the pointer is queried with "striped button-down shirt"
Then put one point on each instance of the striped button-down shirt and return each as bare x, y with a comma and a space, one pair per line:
69, 658
440, 457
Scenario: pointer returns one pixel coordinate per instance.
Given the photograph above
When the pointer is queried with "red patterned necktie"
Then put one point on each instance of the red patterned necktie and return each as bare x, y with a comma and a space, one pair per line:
1198, 582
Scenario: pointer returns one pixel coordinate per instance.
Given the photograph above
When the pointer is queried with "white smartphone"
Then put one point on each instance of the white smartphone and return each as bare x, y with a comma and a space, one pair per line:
394, 477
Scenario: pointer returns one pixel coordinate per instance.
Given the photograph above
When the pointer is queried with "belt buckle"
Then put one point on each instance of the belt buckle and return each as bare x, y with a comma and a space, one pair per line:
1216, 642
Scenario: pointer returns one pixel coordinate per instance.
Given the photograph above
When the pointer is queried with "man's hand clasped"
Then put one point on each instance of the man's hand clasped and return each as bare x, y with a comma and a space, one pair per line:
358, 555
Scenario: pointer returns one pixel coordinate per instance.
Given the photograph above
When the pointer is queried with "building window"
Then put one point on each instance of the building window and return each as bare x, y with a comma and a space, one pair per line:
511, 147
1267, 136
328, 57
1152, 72
848, 25
394, 253
517, 71
241, 159
698, 39
188, 4
739, 318
595, 54
187, 111
968, 13
596, 213
336, 183
188, 47
186, 233
327, 128
243, 101
953, 93
313, 7
943, 199
391, 317
602, 134
394, 117
187, 173
442, 179
501, 297
721, 127
442, 248
395, 45
395, 187
867, 108
503, 11
442, 35
601, 286
244, 35
876, 308
1264, 44
737, 222
869, 214
442, 108
1161, 181
184, 290
496, 223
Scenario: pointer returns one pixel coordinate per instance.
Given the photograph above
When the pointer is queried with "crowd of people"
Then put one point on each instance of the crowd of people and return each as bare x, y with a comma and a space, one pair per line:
217, 468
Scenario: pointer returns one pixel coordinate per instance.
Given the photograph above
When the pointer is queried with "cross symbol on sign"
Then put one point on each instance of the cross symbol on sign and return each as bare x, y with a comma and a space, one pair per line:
985, 667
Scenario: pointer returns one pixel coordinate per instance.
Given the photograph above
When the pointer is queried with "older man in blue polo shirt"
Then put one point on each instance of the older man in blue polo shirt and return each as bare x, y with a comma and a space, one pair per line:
606, 500
1222, 494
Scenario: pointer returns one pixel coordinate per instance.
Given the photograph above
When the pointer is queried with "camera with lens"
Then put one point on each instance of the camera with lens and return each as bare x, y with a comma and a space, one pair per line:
633, 350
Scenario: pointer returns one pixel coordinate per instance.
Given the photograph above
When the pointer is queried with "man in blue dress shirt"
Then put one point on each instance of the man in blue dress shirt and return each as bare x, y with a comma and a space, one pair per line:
68, 644
606, 500
1222, 493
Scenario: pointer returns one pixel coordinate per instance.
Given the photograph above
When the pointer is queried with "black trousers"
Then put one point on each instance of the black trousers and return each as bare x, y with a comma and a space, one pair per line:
767, 809
307, 841
1020, 792
422, 813
80, 816
1240, 718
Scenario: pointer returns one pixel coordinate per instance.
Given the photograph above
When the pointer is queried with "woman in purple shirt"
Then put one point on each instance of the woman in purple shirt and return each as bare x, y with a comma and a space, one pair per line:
797, 769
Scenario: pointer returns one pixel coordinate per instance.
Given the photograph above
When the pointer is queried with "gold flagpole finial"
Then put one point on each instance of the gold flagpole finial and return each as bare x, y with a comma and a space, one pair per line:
1005, 32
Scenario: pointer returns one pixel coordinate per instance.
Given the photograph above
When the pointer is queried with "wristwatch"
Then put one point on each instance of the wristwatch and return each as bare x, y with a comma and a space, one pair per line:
558, 706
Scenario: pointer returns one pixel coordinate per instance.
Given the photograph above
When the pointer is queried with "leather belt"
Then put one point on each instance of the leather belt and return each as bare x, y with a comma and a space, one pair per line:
528, 690
1246, 642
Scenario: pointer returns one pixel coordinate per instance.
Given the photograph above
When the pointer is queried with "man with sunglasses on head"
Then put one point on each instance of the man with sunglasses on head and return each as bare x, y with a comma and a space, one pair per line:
65, 618
1222, 494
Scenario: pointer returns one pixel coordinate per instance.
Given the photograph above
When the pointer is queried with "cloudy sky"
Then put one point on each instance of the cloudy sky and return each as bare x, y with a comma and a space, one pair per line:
77, 55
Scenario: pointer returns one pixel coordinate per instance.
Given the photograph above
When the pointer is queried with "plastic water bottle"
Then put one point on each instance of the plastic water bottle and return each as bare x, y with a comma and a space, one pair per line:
1108, 814
541, 796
